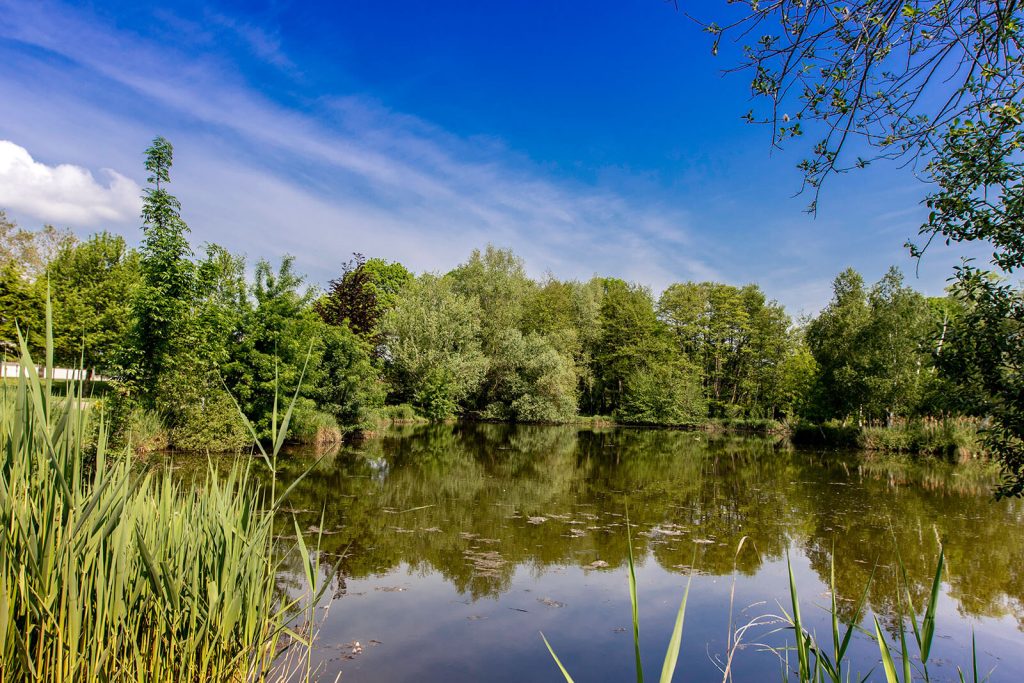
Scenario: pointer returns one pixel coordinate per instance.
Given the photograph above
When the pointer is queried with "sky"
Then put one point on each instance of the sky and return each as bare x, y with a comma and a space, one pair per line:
590, 138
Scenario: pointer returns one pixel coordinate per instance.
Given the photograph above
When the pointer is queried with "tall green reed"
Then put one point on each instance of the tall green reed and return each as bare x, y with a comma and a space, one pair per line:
111, 575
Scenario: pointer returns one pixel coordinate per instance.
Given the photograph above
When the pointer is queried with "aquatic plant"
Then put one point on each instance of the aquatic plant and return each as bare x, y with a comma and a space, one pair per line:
813, 662
668, 666
110, 575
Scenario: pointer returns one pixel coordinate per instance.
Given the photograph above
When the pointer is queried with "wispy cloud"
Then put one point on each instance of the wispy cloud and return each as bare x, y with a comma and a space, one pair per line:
346, 173
63, 193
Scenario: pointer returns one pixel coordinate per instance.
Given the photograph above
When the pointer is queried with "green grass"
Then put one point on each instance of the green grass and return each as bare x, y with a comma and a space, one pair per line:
108, 575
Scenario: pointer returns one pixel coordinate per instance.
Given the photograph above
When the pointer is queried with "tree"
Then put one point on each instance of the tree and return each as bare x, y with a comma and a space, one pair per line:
365, 291
162, 303
93, 284
432, 346
983, 350
631, 338
350, 300
662, 394
566, 315
22, 308
278, 333
533, 382
31, 251
347, 384
934, 84
736, 337
871, 348
498, 281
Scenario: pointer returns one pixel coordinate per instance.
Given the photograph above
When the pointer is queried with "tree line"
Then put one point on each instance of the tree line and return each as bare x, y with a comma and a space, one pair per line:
186, 335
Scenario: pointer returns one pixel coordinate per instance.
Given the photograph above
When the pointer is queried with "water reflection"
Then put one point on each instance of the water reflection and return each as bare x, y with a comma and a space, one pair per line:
477, 503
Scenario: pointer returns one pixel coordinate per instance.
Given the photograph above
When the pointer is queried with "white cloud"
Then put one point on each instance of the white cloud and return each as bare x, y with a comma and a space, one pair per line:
63, 194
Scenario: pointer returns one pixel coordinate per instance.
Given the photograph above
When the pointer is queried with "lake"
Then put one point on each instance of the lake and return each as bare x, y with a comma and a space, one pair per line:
453, 546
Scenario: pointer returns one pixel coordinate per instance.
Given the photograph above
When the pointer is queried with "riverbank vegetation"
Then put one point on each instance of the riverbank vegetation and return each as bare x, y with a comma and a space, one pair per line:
110, 574
179, 334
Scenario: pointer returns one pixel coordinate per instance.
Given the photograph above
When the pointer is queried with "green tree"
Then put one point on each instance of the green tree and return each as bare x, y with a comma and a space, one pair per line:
162, 304
566, 315
93, 284
347, 383
432, 342
737, 338
498, 281
631, 339
936, 85
22, 307
666, 393
834, 339
534, 382
870, 346
278, 332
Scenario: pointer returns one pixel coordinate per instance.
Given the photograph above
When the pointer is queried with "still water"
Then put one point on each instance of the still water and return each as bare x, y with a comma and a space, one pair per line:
452, 547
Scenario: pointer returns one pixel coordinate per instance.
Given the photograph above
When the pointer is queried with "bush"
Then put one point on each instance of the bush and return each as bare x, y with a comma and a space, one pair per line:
312, 426
662, 395
206, 418
830, 434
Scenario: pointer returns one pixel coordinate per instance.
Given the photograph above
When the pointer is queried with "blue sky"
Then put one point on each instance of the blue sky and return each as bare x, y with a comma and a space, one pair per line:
591, 138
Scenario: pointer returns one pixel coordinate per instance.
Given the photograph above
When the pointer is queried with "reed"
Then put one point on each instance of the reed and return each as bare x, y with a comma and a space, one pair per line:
668, 665
815, 663
109, 575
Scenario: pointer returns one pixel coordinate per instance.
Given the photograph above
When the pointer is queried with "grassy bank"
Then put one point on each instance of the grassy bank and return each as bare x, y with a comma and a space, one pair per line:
958, 438
108, 575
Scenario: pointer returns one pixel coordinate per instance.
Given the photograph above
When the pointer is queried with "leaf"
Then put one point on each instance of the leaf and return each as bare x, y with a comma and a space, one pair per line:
561, 668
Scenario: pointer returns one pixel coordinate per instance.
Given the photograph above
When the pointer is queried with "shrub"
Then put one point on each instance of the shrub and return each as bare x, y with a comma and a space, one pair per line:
664, 395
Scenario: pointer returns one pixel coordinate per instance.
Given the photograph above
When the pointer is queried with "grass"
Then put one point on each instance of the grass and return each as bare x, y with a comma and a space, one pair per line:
399, 414
952, 437
108, 575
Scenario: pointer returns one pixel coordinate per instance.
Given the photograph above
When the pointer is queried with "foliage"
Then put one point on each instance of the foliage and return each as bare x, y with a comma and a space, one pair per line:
348, 387
663, 394
163, 302
278, 340
363, 293
984, 353
738, 339
631, 338
434, 354
93, 284
530, 381
934, 84
108, 576
22, 303
870, 346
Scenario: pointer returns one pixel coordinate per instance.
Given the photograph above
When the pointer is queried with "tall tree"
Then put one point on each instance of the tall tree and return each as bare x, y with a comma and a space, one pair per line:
871, 346
736, 336
168, 288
